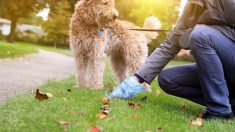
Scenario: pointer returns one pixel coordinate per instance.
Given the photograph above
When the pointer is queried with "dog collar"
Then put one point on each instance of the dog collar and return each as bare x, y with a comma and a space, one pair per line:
101, 32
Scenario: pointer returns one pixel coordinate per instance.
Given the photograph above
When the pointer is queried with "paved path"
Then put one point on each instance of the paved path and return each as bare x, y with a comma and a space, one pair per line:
21, 75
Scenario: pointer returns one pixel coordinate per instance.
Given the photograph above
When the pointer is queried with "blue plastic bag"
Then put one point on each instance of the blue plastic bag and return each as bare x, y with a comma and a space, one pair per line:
127, 89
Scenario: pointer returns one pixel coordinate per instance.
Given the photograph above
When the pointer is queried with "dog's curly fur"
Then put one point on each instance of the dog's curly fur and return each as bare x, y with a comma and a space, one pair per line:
127, 49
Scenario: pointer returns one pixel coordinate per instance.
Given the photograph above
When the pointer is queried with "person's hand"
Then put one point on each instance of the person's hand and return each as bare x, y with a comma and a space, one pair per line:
127, 89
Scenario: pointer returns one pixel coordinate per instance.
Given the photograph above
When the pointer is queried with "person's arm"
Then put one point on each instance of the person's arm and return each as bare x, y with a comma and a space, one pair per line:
159, 58
170, 47
157, 61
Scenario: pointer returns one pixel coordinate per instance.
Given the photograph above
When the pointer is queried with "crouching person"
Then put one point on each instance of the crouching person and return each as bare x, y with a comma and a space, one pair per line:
210, 81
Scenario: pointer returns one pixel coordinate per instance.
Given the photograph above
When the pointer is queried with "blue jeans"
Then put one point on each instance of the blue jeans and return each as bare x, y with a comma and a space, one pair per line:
209, 82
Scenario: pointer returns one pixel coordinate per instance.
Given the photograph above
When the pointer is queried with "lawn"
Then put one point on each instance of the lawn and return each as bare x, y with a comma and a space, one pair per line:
15, 50
20, 49
48, 48
80, 107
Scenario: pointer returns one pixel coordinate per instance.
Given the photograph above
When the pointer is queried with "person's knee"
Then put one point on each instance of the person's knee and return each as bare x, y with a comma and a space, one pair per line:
199, 37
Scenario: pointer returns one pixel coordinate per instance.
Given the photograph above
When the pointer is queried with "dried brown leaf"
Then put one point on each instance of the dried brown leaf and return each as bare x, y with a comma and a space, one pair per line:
101, 116
105, 109
197, 122
159, 129
184, 105
40, 96
65, 124
136, 117
144, 98
69, 90
49, 95
133, 105
95, 129
105, 100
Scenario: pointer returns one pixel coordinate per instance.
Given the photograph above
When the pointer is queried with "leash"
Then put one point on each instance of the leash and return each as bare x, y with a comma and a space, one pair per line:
149, 30
143, 30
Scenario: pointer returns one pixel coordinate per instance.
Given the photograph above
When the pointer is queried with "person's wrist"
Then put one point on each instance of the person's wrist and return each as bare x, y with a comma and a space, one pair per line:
136, 78
139, 78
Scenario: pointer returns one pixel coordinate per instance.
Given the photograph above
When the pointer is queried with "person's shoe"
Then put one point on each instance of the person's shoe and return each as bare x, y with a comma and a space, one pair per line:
209, 116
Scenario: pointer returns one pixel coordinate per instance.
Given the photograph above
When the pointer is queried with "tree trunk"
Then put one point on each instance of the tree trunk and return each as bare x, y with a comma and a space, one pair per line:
11, 36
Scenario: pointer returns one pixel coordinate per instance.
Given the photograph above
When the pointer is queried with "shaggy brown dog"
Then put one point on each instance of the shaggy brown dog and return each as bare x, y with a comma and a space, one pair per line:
90, 41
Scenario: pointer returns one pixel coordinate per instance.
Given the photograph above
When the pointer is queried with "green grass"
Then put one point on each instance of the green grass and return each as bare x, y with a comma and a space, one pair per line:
20, 49
48, 48
24, 113
14, 50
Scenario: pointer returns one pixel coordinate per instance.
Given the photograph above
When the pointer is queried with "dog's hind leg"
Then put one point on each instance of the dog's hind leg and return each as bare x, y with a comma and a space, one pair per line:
119, 68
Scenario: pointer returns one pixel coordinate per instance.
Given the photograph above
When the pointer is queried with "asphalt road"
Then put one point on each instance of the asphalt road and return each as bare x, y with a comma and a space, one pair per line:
21, 75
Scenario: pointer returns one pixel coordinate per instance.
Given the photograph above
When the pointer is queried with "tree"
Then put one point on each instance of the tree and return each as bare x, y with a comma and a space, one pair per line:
57, 25
16, 9
72, 4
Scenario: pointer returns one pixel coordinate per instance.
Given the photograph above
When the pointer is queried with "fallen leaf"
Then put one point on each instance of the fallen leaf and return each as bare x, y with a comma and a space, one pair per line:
82, 113
184, 105
69, 90
105, 109
158, 92
95, 129
49, 95
133, 105
144, 98
40, 96
159, 129
105, 101
136, 117
101, 116
65, 124
112, 118
197, 122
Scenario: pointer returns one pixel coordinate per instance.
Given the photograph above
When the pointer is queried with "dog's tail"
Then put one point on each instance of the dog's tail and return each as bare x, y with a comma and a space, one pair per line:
152, 23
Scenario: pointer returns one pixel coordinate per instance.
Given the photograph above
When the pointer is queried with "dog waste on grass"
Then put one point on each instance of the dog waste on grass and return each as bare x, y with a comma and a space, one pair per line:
41, 96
